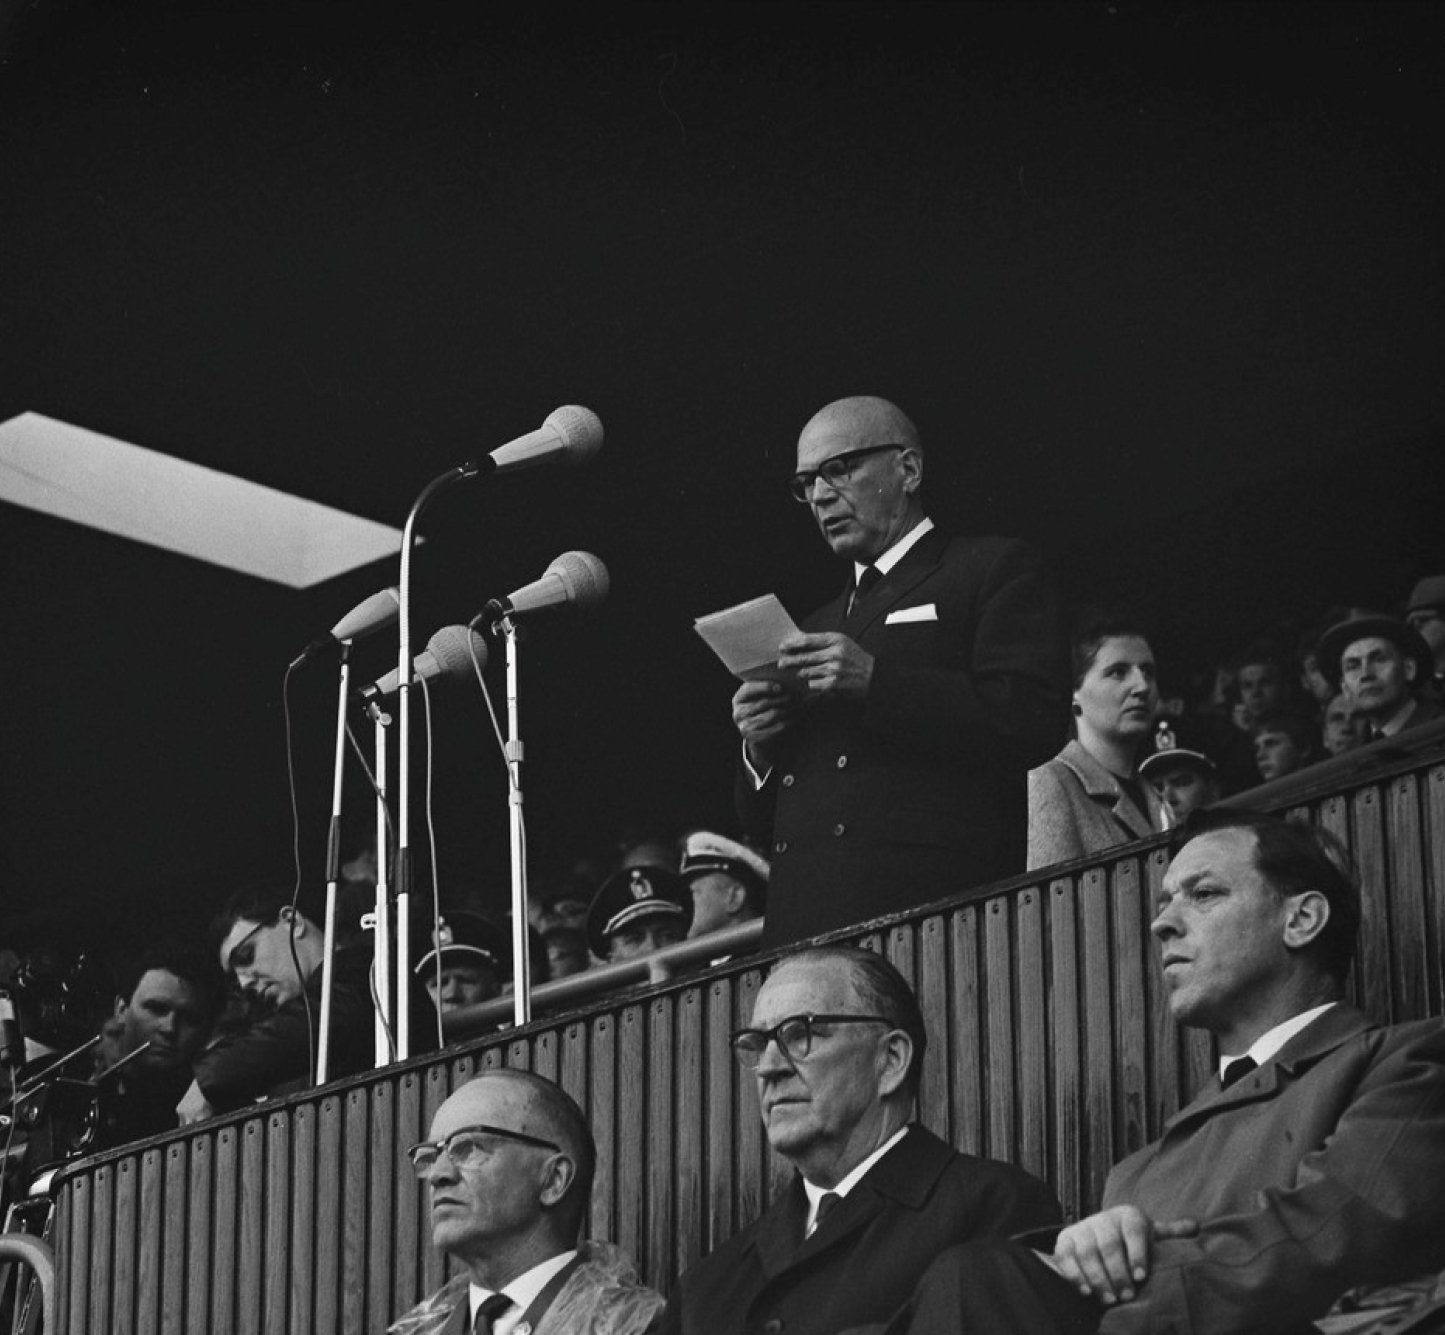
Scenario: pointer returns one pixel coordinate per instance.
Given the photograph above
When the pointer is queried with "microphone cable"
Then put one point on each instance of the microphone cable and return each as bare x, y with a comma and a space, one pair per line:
296, 861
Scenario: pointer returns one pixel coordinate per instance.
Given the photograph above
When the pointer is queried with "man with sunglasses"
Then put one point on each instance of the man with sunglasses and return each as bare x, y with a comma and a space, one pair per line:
893, 771
273, 954
508, 1170
836, 1047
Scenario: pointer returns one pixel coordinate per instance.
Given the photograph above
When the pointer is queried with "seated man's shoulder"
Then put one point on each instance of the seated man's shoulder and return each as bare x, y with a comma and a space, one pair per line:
604, 1296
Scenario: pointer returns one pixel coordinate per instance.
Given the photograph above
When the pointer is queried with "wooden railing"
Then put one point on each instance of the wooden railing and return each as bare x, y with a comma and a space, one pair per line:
1050, 1046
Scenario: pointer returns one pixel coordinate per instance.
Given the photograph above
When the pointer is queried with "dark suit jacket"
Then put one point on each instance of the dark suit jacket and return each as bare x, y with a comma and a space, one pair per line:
919, 791
863, 1260
1322, 1170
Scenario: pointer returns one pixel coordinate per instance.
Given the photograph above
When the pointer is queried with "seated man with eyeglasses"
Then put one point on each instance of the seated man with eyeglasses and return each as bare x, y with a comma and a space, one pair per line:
931, 684
836, 1048
508, 1172
273, 953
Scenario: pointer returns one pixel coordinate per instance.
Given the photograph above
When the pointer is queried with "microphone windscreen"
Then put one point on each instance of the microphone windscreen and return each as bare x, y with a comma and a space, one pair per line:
378, 612
449, 647
584, 578
580, 429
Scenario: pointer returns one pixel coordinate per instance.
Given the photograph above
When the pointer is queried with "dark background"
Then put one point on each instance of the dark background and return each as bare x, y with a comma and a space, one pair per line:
1161, 284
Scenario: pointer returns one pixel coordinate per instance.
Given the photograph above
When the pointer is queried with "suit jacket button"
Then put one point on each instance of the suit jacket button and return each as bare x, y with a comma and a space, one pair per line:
842, 762
781, 846
773, 1326
787, 781
838, 829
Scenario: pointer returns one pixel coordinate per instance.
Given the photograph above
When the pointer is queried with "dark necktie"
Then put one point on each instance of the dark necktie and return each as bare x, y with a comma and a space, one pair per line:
490, 1308
826, 1203
1237, 1070
870, 576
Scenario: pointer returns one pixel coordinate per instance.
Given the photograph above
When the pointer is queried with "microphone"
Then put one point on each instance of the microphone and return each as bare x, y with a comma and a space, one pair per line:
570, 435
12, 1042
577, 579
446, 655
370, 614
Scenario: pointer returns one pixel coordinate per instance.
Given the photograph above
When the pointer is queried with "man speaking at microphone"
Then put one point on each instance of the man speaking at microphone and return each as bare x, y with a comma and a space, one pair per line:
930, 685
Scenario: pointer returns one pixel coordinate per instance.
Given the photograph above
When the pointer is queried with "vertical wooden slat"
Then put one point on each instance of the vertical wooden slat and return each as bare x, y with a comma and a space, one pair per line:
1065, 1007
225, 1214
1032, 1091
631, 1133
102, 1247
718, 1121
326, 1193
381, 1227
1434, 863
932, 965
79, 1249
301, 1268
602, 1114
998, 1072
966, 1026
1163, 1088
1099, 1147
174, 1229
276, 1246
1368, 830
149, 1224
355, 1211
750, 1162
201, 1197
126, 1240
408, 1242
661, 1144
689, 1118
1131, 1032
1409, 921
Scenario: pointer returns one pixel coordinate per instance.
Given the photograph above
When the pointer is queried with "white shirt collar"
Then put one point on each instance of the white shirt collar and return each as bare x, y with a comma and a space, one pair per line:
522, 1291
895, 553
816, 1193
1399, 718
1270, 1042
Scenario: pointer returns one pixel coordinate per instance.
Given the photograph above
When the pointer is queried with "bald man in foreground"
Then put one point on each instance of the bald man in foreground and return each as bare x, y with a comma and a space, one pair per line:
508, 1171
895, 772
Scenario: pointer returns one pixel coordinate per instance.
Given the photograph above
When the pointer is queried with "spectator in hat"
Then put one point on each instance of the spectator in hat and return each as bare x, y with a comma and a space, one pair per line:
1180, 769
1283, 743
469, 959
1384, 666
727, 879
1425, 612
637, 912
1345, 727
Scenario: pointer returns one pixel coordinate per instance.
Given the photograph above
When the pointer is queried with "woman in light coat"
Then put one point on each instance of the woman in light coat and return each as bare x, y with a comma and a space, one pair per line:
1090, 796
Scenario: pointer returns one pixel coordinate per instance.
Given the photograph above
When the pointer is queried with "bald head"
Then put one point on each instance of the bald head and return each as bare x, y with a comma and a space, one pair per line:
866, 417
867, 498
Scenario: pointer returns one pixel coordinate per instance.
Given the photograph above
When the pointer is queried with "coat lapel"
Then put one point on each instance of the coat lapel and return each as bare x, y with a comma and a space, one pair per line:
1337, 1025
920, 561
1102, 787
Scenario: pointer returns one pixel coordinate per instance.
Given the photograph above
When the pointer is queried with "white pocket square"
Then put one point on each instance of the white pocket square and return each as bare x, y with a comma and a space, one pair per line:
923, 612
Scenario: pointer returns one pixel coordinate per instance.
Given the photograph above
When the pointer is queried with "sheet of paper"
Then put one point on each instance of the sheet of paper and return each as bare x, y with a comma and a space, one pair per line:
746, 638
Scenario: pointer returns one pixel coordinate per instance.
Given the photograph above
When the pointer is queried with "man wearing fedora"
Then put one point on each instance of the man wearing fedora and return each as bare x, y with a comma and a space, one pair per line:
1385, 667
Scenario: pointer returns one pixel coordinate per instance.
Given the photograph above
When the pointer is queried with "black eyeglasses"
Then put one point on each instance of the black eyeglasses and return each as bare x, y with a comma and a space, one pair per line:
836, 472
793, 1035
466, 1145
243, 953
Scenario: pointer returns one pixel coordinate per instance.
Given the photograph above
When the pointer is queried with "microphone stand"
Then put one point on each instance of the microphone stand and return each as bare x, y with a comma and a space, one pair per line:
521, 963
404, 670
333, 870
381, 925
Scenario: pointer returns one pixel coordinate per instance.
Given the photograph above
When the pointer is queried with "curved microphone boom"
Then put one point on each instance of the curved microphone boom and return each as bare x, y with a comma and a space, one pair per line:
368, 616
446, 655
574, 579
